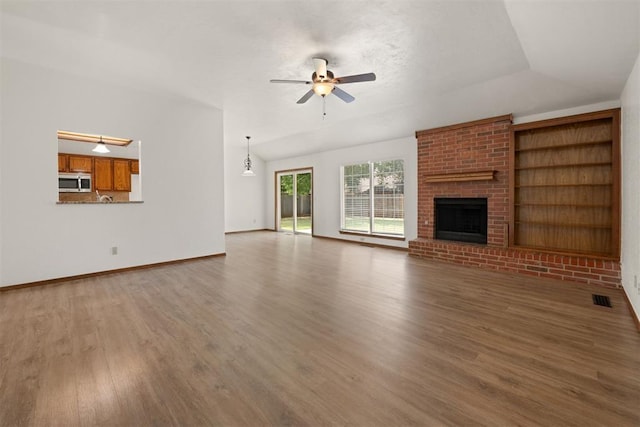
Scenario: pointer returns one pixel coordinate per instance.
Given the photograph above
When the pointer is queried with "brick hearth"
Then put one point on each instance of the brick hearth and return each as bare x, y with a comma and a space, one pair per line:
472, 160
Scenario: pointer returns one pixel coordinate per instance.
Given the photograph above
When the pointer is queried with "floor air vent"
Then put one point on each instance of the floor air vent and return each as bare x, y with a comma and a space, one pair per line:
602, 300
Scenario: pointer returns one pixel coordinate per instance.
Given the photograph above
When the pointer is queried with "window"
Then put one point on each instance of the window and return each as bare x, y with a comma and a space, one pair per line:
373, 198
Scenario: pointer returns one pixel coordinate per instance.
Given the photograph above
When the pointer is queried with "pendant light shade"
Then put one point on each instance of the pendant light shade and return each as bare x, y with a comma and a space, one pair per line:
101, 147
247, 162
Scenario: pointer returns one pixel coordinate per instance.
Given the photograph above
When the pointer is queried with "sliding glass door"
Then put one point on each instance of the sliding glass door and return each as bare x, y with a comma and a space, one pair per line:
294, 201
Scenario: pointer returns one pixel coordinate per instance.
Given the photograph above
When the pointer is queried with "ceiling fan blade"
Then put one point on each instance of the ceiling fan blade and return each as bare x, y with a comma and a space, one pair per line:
320, 65
343, 95
368, 77
292, 81
305, 97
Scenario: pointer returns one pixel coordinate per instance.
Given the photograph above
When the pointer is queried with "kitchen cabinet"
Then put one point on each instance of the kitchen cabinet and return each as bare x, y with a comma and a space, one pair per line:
121, 175
62, 162
80, 163
109, 174
74, 163
103, 174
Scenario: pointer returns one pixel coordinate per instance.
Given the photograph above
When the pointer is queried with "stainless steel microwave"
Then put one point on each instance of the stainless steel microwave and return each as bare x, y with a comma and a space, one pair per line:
74, 182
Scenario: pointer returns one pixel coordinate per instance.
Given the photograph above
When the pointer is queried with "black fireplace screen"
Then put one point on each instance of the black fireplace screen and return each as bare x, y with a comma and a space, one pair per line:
461, 219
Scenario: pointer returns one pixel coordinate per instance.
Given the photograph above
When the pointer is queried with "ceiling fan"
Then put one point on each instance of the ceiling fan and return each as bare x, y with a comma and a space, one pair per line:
324, 82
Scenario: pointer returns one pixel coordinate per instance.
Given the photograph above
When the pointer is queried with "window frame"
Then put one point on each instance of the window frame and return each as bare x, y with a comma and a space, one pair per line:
371, 233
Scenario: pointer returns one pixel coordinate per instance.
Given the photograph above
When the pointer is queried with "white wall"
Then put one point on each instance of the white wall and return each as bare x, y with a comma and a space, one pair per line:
630, 187
244, 199
326, 185
182, 215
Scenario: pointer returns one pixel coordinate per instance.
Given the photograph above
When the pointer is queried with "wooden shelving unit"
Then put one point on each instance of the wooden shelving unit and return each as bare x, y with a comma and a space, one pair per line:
565, 185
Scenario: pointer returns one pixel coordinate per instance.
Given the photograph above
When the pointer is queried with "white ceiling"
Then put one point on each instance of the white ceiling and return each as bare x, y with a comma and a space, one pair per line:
437, 62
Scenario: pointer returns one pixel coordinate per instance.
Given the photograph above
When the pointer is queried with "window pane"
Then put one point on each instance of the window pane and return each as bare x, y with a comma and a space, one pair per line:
286, 202
303, 202
356, 197
388, 197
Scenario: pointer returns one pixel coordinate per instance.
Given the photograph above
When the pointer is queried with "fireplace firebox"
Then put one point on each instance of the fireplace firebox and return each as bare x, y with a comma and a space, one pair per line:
461, 219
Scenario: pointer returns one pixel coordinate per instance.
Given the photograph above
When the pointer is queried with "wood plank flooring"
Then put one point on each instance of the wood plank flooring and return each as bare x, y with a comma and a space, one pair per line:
292, 330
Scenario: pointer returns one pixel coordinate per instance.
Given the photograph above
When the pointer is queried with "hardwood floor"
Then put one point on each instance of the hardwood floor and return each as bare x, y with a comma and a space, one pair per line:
291, 330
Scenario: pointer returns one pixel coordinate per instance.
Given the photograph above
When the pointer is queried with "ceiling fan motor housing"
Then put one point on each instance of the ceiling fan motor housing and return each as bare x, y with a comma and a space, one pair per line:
328, 77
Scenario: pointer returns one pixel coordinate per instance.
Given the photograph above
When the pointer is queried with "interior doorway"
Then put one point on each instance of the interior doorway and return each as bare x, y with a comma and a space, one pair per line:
294, 201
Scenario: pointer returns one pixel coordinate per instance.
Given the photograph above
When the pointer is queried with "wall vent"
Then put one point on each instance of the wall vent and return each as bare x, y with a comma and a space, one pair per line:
602, 300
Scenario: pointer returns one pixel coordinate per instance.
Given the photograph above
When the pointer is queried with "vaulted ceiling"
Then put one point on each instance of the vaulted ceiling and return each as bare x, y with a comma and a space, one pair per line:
437, 62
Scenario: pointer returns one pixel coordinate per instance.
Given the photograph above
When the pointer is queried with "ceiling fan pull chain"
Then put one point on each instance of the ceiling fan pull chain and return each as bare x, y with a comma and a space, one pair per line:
324, 105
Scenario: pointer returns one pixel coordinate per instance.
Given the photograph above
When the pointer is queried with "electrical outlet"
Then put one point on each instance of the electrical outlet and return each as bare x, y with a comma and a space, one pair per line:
114, 250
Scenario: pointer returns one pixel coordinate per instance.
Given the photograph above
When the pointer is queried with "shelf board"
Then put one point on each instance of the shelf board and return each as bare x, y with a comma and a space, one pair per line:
558, 205
565, 225
562, 185
462, 176
556, 147
563, 166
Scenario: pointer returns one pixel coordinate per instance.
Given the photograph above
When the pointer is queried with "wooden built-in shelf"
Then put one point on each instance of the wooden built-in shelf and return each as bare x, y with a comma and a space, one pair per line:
559, 166
560, 147
565, 185
462, 176
563, 225
560, 205
561, 185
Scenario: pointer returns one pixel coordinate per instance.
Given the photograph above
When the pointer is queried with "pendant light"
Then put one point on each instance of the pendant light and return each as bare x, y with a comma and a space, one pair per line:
101, 147
247, 162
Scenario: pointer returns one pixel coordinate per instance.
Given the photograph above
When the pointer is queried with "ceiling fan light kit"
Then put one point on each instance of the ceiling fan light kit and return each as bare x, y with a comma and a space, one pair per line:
324, 82
323, 88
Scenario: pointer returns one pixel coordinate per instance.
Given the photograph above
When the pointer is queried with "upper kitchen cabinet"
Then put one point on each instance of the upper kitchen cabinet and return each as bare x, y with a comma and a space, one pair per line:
80, 164
103, 176
74, 163
121, 175
135, 167
63, 159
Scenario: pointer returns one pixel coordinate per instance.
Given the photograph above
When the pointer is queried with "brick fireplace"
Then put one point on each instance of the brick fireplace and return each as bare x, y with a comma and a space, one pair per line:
471, 161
